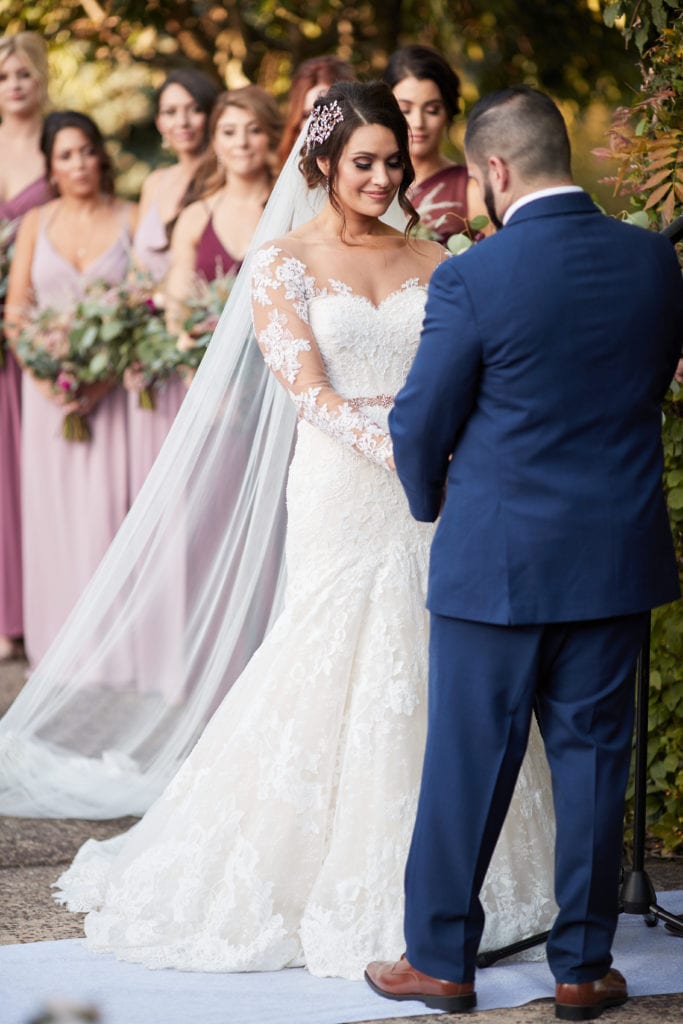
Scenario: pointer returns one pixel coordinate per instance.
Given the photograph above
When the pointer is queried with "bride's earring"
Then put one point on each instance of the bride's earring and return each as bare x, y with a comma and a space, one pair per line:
326, 185
165, 144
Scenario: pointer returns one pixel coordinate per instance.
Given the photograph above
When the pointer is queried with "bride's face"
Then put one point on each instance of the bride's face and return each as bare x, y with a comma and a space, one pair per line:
369, 171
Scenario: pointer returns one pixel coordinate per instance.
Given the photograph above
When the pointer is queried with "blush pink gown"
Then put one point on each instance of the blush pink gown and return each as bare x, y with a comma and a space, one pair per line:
74, 494
11, 614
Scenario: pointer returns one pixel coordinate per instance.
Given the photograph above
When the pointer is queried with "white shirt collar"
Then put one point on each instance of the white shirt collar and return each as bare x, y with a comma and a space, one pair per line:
556, 190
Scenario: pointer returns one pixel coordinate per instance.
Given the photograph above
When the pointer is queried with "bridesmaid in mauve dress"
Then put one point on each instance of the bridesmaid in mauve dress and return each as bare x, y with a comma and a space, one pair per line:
210, 239
428, 93
233, 183
183, 106
74, 493
23, 90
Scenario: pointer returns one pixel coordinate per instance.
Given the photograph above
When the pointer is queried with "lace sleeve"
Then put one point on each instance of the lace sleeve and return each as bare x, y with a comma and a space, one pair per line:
280, 291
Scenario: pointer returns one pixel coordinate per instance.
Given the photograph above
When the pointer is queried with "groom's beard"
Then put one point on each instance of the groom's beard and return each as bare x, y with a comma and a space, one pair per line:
490, 205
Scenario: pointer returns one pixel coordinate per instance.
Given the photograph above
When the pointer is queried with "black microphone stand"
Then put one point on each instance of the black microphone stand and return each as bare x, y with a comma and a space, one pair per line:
637, 894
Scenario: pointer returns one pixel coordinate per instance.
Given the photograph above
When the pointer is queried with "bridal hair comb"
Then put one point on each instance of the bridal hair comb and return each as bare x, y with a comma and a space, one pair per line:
321, 126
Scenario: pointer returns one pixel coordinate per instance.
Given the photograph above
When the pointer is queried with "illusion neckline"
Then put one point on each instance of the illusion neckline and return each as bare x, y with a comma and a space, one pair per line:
410, 284
342, 289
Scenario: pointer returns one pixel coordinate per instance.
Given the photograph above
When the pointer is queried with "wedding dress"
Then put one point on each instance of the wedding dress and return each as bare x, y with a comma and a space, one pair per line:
282, 839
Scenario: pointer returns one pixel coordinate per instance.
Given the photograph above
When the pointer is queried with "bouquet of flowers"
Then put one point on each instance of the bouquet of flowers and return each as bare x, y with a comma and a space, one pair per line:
205, 307
8, 229
145, 346
73, 347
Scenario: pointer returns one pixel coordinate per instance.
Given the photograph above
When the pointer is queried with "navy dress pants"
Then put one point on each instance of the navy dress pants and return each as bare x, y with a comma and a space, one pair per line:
484, 682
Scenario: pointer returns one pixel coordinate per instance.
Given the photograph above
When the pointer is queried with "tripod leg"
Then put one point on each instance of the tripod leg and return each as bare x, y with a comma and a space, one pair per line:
637, 892
492, 956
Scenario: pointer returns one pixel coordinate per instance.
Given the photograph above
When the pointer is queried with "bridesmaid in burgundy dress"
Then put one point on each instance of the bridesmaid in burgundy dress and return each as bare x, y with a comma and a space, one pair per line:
183, 105
23, 93
212, 235
74, 494
428, 93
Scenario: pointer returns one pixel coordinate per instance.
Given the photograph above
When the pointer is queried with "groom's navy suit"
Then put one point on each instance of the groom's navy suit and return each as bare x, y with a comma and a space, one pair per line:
545, 354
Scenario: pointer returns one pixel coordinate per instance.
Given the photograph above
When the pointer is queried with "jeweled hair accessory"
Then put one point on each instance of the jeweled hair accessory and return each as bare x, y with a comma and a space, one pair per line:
323, 120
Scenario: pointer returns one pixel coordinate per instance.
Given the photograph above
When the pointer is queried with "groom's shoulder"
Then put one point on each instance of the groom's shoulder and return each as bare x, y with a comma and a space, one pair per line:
474, 260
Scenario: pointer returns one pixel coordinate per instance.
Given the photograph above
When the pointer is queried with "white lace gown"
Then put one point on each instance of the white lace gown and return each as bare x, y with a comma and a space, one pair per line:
282, 840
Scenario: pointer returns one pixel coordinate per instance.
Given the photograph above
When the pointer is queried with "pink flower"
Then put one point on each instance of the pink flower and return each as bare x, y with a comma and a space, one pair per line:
66, 382
56, 342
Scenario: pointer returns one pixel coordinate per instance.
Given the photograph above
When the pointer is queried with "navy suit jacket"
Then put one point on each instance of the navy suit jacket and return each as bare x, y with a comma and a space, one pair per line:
545, 354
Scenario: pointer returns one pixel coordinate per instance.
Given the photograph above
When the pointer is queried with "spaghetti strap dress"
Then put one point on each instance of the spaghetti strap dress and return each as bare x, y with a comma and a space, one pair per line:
11, 614
213, 259
74, 494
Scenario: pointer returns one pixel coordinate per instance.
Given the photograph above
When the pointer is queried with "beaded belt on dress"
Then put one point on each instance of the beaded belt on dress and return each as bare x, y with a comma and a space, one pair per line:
384, 400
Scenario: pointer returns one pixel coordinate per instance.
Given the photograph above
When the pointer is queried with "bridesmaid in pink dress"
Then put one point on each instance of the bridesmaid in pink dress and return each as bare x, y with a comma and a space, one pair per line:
183, 106
428, 93
23, 92
74, 494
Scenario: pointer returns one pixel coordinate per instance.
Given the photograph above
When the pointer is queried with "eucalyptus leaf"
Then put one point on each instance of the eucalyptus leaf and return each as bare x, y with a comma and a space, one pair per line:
99, 364
458, 244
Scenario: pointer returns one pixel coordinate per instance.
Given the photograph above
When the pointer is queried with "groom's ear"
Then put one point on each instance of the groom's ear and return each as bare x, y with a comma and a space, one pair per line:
499, 171
323, 163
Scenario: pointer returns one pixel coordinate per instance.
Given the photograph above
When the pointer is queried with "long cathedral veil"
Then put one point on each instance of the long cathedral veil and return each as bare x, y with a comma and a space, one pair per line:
184, 595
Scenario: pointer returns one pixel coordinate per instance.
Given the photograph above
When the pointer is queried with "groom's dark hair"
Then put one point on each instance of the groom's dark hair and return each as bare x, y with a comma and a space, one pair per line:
522, 126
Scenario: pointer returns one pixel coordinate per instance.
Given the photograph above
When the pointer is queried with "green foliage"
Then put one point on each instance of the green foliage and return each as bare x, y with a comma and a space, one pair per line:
646, 140
204, 308
642, 20
665, 729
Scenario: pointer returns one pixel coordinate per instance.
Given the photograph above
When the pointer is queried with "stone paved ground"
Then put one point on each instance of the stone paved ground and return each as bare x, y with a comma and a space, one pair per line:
34, 851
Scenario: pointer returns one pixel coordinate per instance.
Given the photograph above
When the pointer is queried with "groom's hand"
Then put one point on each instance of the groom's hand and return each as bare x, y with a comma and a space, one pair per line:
678, 375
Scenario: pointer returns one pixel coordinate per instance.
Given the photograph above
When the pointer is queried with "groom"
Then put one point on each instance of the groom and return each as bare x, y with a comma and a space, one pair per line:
532, 413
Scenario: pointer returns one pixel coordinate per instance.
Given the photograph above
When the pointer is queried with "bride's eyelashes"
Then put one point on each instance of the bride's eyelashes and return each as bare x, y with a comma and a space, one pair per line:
393, 164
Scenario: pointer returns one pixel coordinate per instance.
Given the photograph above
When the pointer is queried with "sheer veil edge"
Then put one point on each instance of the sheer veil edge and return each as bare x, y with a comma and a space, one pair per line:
184, 595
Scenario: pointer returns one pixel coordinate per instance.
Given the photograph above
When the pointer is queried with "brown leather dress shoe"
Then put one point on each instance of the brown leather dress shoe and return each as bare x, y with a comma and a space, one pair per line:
587, 1000
400, 981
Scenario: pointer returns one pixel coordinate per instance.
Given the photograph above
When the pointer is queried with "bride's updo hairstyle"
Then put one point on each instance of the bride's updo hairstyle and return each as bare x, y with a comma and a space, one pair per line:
359, 104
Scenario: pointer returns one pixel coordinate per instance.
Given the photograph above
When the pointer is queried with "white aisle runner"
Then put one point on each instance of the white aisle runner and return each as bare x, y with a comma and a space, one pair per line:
33, 973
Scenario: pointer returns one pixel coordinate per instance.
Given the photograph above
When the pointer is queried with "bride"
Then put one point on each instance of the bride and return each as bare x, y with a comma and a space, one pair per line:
281, 840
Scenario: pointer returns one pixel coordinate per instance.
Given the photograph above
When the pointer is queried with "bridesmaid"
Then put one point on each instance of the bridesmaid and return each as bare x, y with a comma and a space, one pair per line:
23, 94
212, 235
428, 93
183, 106
74, 494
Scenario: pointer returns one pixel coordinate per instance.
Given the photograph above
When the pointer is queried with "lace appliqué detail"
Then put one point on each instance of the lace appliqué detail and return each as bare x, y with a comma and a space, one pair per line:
290, 272
289, 348
280, 348
345, 424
